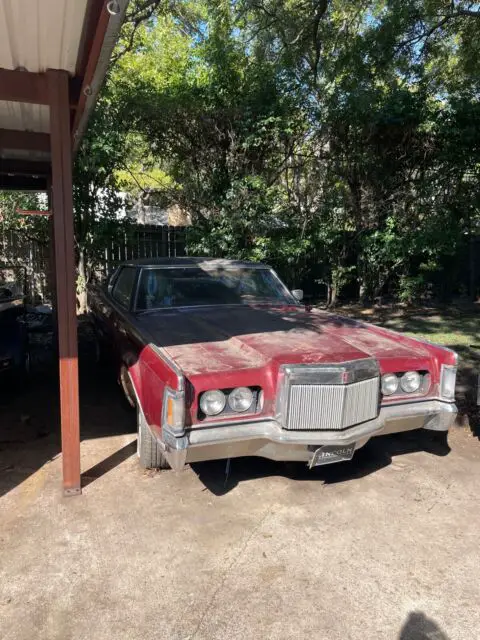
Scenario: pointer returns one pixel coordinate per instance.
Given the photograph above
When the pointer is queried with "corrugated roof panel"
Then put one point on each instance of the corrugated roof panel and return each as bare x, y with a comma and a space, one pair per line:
6, 59
24, 117
40, 34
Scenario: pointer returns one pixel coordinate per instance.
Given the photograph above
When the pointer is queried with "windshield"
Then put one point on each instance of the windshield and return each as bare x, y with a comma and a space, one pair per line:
196, 286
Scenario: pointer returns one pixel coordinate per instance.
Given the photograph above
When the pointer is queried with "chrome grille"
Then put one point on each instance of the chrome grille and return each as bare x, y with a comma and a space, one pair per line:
330, 407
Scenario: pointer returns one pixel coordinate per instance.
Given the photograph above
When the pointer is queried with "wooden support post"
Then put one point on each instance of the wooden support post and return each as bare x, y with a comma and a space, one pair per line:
65, 277
51, 281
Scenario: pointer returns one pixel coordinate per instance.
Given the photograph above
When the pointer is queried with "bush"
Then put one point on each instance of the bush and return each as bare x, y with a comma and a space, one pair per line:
412, 288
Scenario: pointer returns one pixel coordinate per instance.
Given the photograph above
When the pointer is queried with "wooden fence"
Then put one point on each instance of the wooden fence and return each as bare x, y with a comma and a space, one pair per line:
140, 242
19, 250
144, 242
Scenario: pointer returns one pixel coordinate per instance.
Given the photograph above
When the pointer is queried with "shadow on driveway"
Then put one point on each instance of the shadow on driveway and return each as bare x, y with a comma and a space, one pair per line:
30, 429
219, 477
106, 465
419, 627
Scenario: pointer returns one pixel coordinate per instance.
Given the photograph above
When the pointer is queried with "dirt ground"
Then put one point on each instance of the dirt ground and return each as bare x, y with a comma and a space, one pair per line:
385, 547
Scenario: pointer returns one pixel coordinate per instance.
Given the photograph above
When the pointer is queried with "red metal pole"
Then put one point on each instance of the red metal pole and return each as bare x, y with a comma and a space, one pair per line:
65, 276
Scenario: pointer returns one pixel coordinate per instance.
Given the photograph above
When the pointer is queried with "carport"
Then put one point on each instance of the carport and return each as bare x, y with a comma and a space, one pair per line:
53, 58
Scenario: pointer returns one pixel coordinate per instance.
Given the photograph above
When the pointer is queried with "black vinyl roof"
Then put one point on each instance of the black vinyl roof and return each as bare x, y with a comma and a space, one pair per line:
188, 261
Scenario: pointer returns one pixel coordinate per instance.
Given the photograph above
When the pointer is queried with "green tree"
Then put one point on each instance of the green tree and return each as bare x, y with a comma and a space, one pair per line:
337, 140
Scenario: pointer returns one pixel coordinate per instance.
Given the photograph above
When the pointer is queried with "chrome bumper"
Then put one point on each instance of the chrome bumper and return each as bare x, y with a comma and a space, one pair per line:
267, 439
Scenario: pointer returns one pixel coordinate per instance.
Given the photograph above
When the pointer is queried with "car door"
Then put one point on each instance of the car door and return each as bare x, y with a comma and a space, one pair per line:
122, 293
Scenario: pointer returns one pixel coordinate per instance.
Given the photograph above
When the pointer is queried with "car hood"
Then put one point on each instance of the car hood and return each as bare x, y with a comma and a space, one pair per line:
213, 339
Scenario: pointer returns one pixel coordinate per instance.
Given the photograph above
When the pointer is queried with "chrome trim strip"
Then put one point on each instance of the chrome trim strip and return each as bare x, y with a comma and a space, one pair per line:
206, 265
146, 312
171, 363
442, 414
223, 423
272, 431
435, 415
406, 400
340, 373
233, 305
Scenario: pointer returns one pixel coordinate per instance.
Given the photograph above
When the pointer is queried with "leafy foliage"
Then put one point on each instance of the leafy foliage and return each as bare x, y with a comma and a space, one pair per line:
338, 140
34, 227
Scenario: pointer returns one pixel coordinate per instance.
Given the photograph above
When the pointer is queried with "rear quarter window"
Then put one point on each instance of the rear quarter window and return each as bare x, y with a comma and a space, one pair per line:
123, 287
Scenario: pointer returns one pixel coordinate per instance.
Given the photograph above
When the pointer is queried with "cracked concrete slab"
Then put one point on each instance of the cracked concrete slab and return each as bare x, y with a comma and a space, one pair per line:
385, 547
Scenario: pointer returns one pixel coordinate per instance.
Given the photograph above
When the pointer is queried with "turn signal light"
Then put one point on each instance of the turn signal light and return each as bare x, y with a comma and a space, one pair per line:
173, 411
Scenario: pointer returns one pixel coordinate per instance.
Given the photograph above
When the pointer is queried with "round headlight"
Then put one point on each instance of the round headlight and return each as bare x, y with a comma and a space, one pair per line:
213, 402
389, 384
410, 381
240, 399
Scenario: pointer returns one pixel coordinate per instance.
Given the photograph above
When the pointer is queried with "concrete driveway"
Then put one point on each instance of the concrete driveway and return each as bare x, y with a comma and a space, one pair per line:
385, 547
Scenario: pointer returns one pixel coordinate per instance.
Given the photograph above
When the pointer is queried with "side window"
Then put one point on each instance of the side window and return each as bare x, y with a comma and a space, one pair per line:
123, 287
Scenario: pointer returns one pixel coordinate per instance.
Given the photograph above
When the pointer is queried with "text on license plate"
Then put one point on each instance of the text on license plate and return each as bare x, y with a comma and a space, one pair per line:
330, 453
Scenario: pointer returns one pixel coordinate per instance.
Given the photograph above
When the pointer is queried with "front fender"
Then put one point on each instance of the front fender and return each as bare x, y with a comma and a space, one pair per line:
149, 375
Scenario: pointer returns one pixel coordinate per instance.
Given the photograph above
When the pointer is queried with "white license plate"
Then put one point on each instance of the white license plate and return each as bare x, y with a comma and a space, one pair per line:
331, 453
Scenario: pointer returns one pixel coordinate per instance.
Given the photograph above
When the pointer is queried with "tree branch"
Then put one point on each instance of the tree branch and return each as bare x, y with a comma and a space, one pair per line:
321, 10
427, 33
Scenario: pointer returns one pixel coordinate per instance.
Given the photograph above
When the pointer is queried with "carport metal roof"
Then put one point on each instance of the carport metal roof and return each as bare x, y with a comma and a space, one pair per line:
75, 36
53, 58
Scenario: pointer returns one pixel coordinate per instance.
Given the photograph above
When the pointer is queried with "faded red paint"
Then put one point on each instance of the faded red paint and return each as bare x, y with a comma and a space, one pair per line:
222, 347
227, 347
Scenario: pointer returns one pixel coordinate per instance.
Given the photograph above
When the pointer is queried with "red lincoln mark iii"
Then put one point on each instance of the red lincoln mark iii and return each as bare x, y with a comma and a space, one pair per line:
222, 360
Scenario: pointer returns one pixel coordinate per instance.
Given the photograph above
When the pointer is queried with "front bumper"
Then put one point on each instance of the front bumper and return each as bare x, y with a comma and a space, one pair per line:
267, 439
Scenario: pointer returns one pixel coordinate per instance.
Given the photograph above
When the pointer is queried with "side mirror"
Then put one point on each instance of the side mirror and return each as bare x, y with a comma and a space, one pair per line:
297, 294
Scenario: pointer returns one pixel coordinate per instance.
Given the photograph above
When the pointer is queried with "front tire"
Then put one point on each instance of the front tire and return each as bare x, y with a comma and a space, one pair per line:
149, 451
